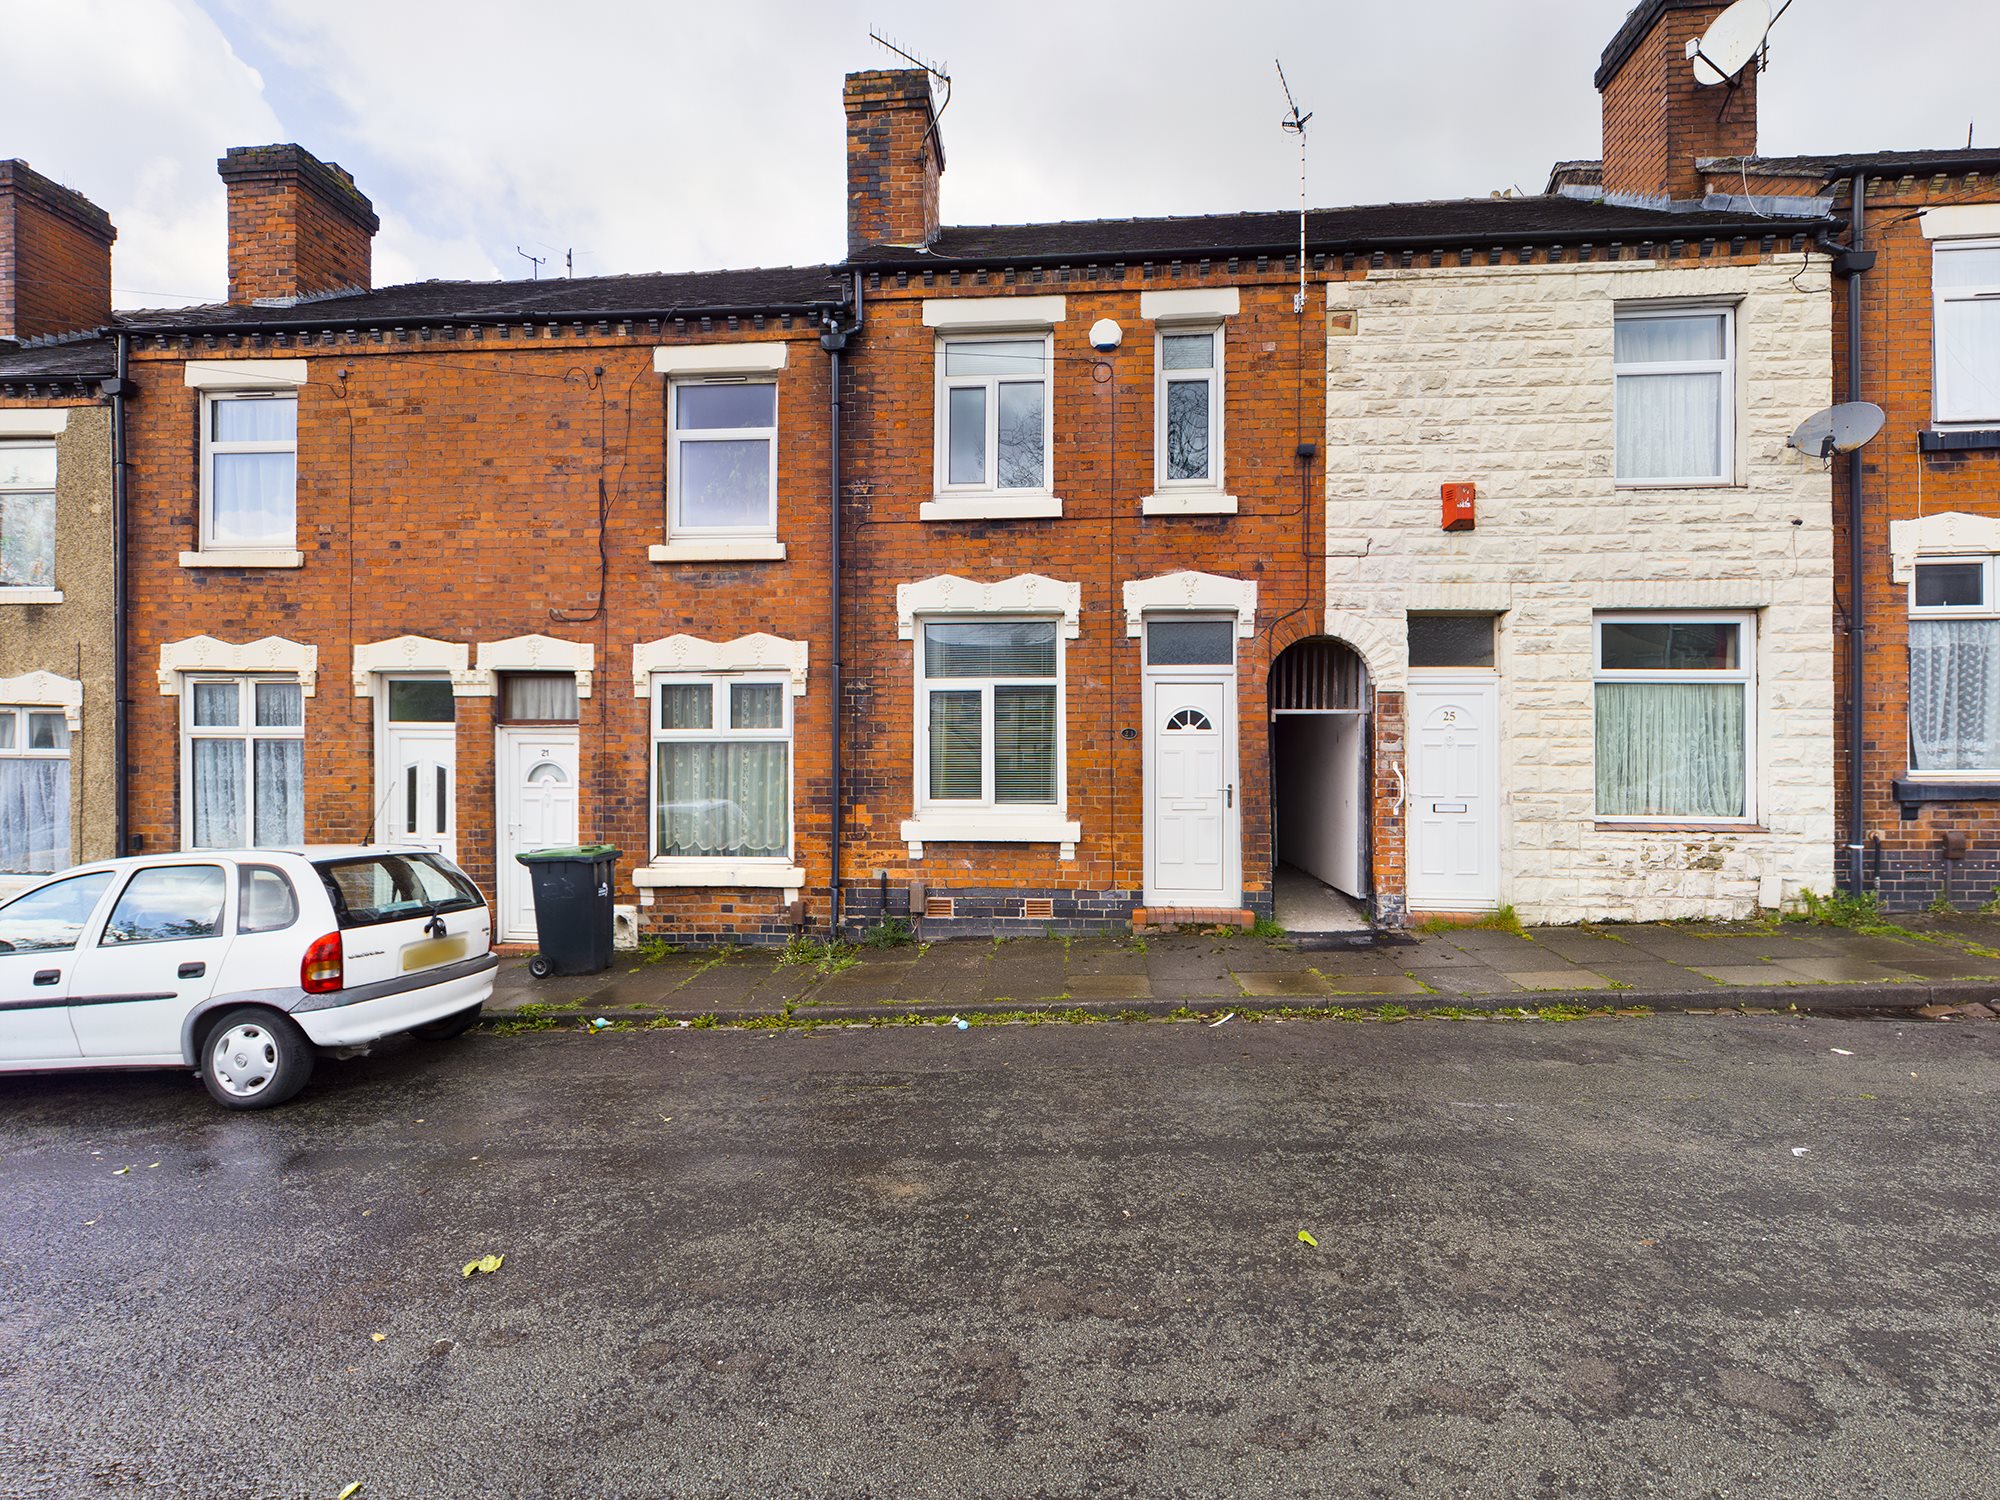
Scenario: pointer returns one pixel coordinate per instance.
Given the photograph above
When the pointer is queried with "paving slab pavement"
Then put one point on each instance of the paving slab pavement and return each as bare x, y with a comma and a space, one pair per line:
1665, 966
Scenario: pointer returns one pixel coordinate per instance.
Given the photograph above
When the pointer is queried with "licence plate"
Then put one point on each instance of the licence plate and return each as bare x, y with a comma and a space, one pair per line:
437, 951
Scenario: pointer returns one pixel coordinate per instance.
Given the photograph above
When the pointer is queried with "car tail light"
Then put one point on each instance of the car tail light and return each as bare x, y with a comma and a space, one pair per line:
319, 970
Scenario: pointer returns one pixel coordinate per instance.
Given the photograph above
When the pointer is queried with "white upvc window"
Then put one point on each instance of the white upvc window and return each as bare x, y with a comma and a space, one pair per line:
1187, 406
242, 762
27, 516
992, 414
722, 767
249, 470
1674, 372
1675, 720
34, 790
990, 715
722, 467
1965, 283
1955, 666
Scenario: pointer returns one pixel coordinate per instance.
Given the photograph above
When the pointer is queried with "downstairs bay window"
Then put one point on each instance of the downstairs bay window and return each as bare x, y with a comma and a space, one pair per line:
1674, 718
722, 769
242, 762
1955, 666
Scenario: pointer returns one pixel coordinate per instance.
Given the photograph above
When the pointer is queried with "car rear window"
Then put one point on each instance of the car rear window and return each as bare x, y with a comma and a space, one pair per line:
379, 888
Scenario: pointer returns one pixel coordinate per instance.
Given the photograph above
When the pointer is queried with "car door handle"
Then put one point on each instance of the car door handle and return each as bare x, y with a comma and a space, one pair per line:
192, 971
48, 976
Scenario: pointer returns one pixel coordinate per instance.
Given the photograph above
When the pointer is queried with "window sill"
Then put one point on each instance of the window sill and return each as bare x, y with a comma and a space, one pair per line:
1958, 439
30, 596
1190, 503
245, 557
1693, 825
989, 508
724, 550
1952, 786
719, 872
1676, 484
990, 828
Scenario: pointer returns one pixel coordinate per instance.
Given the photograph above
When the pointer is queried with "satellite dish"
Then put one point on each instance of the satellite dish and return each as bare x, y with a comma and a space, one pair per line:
1731, 43
1838, 429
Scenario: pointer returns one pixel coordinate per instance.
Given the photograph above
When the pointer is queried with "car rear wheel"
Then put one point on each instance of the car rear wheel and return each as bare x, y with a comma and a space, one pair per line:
446, 1027
254, 1059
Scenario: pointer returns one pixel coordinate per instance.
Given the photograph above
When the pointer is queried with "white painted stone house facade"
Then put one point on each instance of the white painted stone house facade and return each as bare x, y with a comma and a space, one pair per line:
1506, 377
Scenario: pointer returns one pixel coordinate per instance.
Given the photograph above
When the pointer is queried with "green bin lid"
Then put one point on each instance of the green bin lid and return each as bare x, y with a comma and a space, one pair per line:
567, 853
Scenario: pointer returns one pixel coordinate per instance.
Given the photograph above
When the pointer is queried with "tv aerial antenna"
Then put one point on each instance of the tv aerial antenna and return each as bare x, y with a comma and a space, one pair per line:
1296, 123
534, 261
1735, 41
937, 70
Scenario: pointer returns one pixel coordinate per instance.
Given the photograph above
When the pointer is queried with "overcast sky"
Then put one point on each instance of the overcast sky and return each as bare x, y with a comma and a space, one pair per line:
680, 136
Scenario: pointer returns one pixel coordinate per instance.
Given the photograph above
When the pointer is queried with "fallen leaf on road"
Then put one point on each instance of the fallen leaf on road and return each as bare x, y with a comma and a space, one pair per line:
1305, 1238
1842, 1051
350, 1492
1229, 1017
486, 1265
378, 1337
150, 1165
123, 1170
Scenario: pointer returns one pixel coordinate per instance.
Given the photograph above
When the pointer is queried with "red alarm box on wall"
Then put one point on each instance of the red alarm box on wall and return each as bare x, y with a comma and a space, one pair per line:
1458, 500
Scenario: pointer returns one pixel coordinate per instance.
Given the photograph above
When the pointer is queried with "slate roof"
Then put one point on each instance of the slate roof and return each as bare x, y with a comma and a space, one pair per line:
1920, 163
774, 289
1386, 226
72, 359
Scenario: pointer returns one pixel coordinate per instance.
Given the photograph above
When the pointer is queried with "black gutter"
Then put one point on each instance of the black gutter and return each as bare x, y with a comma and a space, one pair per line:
120, 394
1757, 229
1857, 611
309, 324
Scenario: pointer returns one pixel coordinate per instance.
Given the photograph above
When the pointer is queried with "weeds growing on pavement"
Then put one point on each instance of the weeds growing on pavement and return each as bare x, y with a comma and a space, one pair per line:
822, 955
890, 932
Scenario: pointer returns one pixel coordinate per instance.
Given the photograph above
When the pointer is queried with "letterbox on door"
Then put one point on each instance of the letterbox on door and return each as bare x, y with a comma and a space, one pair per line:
1458, 500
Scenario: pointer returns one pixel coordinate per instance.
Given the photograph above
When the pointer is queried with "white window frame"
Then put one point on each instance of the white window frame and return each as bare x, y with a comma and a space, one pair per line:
36, 593
1725, 367
985, 807
988, 498
1943, 414
243, 732
677, 437
1987, 609
210, 446
19, 713
1162, 378
719, 730
1745, 672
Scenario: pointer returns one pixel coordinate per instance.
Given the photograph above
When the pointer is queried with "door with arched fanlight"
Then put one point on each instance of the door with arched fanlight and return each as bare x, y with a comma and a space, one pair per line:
1193, 856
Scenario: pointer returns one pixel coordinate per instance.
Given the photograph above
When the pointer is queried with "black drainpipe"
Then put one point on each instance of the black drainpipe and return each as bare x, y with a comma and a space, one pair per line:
834, 340
120, 393
1856, 567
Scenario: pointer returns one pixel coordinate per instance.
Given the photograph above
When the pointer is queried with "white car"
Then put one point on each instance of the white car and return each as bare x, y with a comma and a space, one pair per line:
239, 964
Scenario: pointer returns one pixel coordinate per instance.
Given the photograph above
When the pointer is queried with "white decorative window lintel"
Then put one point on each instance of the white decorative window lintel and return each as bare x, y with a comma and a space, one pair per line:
1190, 590
46, 690
416, 653
204, 653
1947, 531
747, 653
533, 653
1023, 594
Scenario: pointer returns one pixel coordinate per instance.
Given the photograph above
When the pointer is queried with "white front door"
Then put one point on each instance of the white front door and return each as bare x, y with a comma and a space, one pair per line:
536, 770
1191, 814
1454, 811
416, 793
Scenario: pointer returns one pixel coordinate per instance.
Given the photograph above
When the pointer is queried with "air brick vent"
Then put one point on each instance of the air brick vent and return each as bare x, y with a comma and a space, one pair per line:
1038, 908
940, 906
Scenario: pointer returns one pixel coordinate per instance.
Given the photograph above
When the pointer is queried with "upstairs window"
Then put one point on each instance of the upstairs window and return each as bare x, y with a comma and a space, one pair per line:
1674, 373
27, 515
249, 470
993, 402
1188, 409
723, 468
1965, 280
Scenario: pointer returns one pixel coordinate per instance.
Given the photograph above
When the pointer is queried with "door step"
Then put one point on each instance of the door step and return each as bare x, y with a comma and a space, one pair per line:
1157, 917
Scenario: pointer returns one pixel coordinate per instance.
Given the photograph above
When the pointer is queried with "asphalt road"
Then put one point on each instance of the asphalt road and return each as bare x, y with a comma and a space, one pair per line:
1553, 1260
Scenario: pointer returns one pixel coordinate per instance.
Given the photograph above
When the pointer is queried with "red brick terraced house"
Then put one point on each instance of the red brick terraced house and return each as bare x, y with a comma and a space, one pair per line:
485, 567
1916, 330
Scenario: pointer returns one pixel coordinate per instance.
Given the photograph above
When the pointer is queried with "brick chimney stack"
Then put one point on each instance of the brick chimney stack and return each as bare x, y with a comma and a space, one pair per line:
1657, 120
894, 159
55, 257
297, 225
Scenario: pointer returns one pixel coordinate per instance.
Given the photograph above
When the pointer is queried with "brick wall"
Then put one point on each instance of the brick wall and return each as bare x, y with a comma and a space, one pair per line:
1101, 422
297, 225
55, 257
895, 159
1657, 119
449, 488
1501, 375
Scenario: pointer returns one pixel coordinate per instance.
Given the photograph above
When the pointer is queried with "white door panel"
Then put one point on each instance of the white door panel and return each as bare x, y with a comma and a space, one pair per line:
1454, 826
1191, 817
417, 794
538, 810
